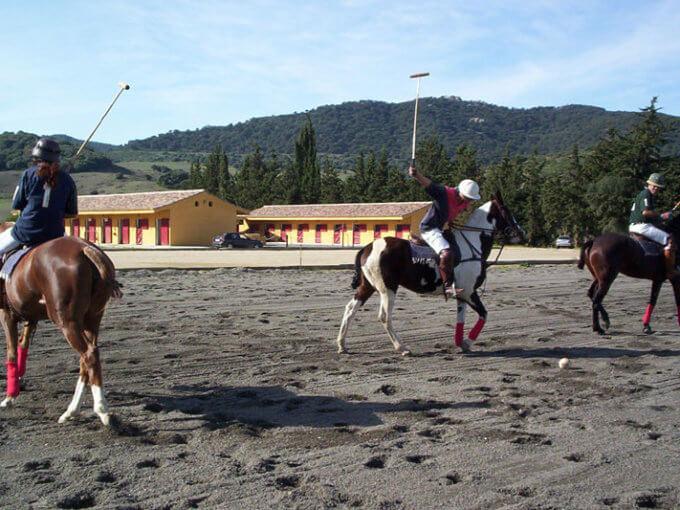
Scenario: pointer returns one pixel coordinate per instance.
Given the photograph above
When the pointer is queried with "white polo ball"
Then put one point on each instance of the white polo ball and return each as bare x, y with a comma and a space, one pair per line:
564, 363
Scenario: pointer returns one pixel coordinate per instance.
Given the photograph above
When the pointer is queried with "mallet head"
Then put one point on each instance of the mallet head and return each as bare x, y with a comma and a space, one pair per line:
419, 75
124, 85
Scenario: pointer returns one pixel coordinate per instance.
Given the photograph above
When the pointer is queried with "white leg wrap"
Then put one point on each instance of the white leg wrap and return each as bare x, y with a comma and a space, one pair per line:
350, 310
101, 408
74, 407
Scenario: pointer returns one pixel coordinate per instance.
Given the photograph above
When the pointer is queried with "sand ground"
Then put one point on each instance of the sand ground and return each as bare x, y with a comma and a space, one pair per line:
229, 393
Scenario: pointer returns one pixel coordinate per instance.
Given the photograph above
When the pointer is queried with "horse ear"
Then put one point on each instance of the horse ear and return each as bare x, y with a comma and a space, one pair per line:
498, 196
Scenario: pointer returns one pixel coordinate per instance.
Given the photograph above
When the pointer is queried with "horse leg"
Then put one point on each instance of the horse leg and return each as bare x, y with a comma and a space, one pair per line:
591, 290
647, 317
362, 294
676, 293
9, 324
387, 299
100, 405
598, 297
90, 373
24, 343
460, 324
477, 306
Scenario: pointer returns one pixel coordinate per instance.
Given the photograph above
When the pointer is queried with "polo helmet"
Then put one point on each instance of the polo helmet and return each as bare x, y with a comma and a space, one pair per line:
46, 149
469, 189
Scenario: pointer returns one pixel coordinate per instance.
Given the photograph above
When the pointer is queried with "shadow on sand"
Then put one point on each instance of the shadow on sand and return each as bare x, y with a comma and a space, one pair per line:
574, 352
275, 406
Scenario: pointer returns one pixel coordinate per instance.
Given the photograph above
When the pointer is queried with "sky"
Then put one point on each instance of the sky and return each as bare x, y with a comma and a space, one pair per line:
207, 62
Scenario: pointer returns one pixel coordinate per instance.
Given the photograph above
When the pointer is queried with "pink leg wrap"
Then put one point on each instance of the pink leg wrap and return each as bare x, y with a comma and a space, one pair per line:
474, 332
12, 379
648, 314
459, 333
22, 356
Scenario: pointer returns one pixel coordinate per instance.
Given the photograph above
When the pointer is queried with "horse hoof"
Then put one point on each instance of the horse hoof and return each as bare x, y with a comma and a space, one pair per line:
465, 346
8, 402
647, 329
67, 416
105, 418
342, 350
406, 352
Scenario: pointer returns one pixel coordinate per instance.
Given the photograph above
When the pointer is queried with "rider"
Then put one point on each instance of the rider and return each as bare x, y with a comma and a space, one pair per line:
447, 204
44, 197
643, 221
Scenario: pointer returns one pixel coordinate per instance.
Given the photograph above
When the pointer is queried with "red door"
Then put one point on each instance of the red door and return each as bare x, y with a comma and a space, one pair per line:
356, 233
286, 229
142, 225
164, 226
92, 230
337, 233
301, 232
319, 229
75, 227
125, 231
403, 231
378, 231
107, 230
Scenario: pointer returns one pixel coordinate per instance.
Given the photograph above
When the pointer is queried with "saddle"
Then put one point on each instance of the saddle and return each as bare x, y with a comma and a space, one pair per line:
649, 248
7, 264
421, 253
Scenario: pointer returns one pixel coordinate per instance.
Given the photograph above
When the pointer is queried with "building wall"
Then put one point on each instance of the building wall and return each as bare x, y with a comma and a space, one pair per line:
346, 238
189, 224
195, 220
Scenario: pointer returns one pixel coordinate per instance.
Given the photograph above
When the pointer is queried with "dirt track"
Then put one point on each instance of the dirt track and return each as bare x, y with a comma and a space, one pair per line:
229, 394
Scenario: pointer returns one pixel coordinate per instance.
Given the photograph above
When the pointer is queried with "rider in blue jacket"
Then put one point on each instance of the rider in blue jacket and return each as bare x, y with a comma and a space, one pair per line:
44, 196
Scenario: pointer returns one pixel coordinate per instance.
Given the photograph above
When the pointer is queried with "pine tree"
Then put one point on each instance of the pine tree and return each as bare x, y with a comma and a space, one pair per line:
195, 175
356, 183
210, 174
306, 164
225, 183
332, 187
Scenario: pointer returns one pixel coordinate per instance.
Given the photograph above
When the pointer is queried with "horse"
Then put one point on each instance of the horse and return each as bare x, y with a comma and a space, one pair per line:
387, 263
609, 254
68, 281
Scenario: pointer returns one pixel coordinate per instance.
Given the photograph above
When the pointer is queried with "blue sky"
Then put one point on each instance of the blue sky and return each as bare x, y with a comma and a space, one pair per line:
197, 63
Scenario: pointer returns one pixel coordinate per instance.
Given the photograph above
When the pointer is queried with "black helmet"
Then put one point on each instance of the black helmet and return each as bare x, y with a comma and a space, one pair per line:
46, 150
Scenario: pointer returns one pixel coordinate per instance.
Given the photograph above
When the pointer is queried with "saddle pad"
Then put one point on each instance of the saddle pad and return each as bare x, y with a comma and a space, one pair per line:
650, 248
422, 254
12, 261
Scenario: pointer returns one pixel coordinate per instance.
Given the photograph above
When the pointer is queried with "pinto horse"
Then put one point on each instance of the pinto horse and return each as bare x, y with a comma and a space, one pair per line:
68, 281
610, 254
387, 263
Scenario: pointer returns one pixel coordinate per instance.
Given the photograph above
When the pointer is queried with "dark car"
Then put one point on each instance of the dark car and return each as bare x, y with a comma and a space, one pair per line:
234, 240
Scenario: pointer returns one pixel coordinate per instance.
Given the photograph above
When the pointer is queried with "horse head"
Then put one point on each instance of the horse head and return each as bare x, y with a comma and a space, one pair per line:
505, 221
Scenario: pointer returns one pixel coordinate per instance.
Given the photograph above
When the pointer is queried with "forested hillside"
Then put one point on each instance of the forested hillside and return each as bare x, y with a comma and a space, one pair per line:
350, 128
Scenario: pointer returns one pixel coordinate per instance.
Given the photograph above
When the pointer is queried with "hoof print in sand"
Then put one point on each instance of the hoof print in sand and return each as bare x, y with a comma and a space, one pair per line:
387, 389
37, 465
375, 463
574, 457
287, 482
417, 459
105, 477
82, 499
151, 463
452, 478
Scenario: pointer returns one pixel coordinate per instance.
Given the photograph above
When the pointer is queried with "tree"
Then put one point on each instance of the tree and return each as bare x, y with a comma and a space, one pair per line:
210, 173
195, 176
356, 183
332, 187
225, 183
306, 164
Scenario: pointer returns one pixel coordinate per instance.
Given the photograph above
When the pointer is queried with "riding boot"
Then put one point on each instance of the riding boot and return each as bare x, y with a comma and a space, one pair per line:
669, 253
446, 272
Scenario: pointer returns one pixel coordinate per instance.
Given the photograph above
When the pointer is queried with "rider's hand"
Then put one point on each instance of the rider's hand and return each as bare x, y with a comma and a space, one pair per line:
667, 215
412, 171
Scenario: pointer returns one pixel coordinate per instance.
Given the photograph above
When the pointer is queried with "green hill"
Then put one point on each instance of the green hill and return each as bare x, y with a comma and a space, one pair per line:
346, 129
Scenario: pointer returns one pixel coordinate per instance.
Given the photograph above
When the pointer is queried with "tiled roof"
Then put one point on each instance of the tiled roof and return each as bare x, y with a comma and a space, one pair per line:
133, 201
379, 210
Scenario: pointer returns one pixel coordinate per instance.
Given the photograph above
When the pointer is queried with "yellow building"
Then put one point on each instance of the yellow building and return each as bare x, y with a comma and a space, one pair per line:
337, 224
177, 218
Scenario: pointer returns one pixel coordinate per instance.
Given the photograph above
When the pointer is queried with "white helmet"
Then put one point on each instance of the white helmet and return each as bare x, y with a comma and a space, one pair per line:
469, 189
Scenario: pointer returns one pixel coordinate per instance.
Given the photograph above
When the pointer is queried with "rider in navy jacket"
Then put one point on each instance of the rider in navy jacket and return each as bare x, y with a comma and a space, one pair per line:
45, 196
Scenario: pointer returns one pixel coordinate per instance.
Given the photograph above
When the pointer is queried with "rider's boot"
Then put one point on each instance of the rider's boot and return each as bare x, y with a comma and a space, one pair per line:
669, 254
446, 272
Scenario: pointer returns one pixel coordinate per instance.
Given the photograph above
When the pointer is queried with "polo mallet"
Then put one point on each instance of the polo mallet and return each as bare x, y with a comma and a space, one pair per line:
123, 86
418, 76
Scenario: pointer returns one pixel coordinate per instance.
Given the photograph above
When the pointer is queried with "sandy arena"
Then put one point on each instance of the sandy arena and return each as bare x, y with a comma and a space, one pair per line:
229, 393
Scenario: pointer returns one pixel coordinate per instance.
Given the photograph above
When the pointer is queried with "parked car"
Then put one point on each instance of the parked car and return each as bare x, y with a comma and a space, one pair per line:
564, 242
235, 240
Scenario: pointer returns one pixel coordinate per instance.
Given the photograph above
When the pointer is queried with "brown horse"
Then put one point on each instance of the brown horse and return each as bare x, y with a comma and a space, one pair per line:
68, 281
610, 254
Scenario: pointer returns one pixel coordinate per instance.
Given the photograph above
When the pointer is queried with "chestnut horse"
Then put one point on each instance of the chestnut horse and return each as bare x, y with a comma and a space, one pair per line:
68, 281
385, 264
610, 254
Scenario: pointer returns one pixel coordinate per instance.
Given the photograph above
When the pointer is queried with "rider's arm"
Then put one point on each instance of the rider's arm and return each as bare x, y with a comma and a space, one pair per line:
19, 200
424, 181
652, 215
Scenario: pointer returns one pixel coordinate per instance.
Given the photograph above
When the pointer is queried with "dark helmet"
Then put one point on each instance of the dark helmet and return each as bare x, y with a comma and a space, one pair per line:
657, 180
46, 150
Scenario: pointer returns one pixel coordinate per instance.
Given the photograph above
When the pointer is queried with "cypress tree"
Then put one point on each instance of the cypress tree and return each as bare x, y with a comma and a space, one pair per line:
306, 164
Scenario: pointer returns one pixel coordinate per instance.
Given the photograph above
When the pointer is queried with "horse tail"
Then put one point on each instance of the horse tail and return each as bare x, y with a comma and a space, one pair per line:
356, 279
585, 251
105, 268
